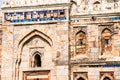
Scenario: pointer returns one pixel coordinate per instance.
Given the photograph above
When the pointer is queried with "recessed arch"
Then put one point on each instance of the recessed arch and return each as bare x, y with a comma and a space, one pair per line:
26, 36
106, 40
80, 42
24, 39
35, 52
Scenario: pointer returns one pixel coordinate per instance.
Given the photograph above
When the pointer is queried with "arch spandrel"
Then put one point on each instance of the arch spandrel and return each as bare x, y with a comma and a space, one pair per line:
107, 75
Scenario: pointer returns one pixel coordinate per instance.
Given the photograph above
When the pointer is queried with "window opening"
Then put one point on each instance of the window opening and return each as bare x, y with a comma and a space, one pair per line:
37, 60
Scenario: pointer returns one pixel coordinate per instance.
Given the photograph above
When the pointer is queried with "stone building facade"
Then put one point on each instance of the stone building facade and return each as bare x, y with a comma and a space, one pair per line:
94, 40
60, 40
34, 40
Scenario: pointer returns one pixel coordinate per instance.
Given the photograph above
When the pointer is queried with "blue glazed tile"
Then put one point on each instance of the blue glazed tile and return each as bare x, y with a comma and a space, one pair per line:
61, 10
43, 19
55, 10
16, 20
39, 19
119, 18
49, 19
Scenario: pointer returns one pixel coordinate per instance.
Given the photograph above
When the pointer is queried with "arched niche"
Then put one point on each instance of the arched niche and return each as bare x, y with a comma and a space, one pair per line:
80, 42
106, 38
97, 6
23, 40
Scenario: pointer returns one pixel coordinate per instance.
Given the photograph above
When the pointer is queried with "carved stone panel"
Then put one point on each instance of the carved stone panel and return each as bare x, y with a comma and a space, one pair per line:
80, 40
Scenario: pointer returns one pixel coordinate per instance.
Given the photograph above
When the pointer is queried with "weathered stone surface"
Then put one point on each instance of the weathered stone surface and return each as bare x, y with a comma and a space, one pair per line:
61, 48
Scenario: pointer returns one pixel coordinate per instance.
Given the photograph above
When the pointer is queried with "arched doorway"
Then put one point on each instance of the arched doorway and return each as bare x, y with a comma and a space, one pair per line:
80, 78
106, 78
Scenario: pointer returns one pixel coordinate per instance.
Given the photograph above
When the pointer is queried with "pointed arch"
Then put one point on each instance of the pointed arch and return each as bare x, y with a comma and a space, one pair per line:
107, 76
81, 35
106, 29
36, 52
106, 38
22, 40
106, 33
81, 77
80, 32
32, 34
96, 2
37, 60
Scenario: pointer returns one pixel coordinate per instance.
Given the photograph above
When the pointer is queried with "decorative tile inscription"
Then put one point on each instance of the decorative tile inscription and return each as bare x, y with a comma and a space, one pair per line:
35, 16
115, 18
111, 65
